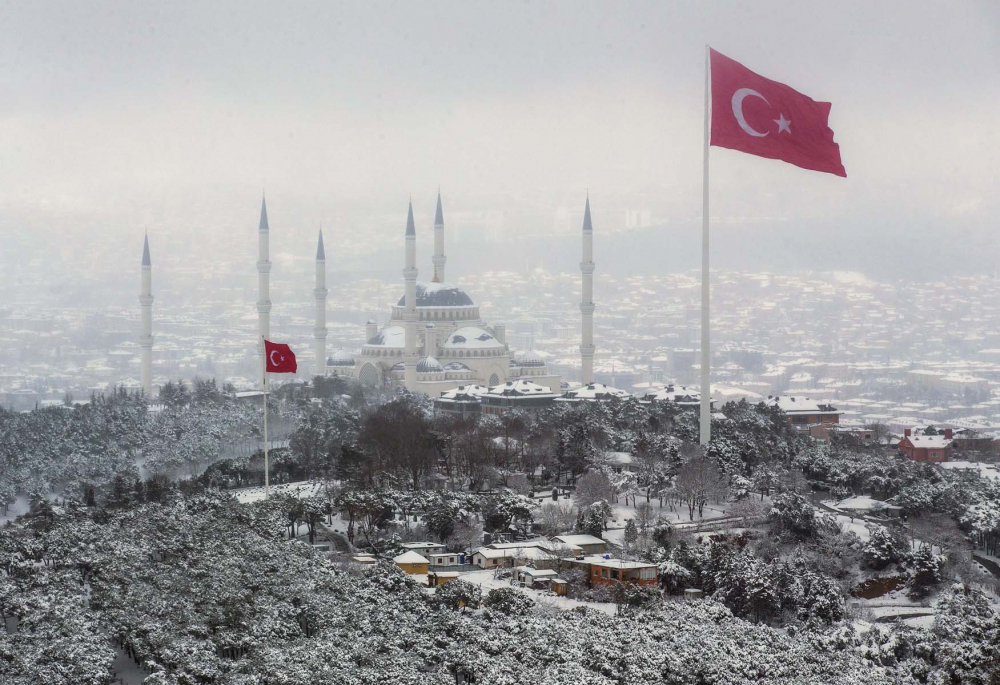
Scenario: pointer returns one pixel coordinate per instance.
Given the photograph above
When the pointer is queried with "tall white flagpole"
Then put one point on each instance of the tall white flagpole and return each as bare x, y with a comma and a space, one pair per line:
267, 466
706, 352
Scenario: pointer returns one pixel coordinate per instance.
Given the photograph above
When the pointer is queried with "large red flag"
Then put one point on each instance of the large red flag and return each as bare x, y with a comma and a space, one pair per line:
280, 358
765, 118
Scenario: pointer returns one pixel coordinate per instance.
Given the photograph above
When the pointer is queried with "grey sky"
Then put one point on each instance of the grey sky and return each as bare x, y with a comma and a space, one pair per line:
341, 108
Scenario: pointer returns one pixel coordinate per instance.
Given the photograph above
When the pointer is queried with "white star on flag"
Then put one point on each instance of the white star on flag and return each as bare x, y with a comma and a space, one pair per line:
783, 124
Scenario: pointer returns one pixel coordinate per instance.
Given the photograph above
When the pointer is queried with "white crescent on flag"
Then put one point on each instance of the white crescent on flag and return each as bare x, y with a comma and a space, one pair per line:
738, 110
275, 363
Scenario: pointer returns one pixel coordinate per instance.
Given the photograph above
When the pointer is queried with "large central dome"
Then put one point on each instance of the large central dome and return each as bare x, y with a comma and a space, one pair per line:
439, 295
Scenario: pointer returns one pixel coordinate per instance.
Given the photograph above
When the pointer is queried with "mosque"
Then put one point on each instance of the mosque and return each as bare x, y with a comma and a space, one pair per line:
435, 339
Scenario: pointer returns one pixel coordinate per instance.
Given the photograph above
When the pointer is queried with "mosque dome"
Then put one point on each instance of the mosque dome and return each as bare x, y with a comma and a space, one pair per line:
472, 337
340, 358
530, 359
439, 295
429, 365
390, 336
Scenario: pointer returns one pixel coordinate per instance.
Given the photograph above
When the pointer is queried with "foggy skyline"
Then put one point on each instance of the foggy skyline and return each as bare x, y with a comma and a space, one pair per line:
118, 119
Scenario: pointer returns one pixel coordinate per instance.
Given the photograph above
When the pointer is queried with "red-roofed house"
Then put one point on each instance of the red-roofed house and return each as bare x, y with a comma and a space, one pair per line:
927, 447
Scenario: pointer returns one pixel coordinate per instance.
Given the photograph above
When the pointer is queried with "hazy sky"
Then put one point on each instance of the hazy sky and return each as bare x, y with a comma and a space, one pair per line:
341, 109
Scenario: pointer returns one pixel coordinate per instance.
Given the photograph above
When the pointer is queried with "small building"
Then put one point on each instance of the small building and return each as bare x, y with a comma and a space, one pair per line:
445, 558
423, 547
412, 563
680, 395
439, 578
803, 412
490, 557
604, 571
364, 560
593, 392
586, 544
465, 400
534, 577
927, 447
693, 593
520, 394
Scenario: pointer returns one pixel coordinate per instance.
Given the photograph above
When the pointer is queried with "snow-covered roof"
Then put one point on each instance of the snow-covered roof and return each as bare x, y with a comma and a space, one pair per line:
792, 404
429, 365
390, 336
439, 295
520, 387
680, 394
340, 358
593, 391
931, 442
410, 557
465, 392
579, 540
469, 337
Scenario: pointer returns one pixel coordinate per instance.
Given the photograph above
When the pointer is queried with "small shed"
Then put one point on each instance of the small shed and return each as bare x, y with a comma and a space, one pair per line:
693, 593
445, 558
439, 578
412, 563
559, 586
364, 560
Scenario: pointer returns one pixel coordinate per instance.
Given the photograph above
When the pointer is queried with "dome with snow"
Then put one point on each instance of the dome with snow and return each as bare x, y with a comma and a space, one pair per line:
390, 336
530, 359
472, 337
340, 358
439, 295
429, 365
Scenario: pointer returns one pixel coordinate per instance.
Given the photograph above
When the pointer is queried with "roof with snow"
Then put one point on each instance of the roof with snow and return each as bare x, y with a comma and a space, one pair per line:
593, 392
439, 295
790, 404
390, 336
579, 540
464, 392
469, 337
520, 388
340, 358
930, 442
429, 365
410, 557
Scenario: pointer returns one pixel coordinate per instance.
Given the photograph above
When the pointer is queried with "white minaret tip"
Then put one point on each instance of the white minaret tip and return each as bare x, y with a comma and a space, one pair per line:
263, 215
320, 252
411, 228
145, 251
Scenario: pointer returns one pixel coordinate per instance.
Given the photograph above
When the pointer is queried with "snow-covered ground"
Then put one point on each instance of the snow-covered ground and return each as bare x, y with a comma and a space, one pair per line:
487, 582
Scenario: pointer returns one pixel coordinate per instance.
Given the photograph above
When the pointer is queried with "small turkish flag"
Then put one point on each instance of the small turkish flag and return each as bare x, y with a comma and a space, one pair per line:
280, 358
765, 118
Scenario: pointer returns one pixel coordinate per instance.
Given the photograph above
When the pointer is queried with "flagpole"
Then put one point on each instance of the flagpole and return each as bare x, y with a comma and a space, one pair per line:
267, 469
706, 352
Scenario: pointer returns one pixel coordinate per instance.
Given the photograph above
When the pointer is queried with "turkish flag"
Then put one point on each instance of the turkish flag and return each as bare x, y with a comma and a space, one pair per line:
280, 358
762, 117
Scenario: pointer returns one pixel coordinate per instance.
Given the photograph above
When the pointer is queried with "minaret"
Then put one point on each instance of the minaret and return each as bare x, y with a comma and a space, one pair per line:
410, 276
319, 332
587, 298
263, 286
439, 259
146, 334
